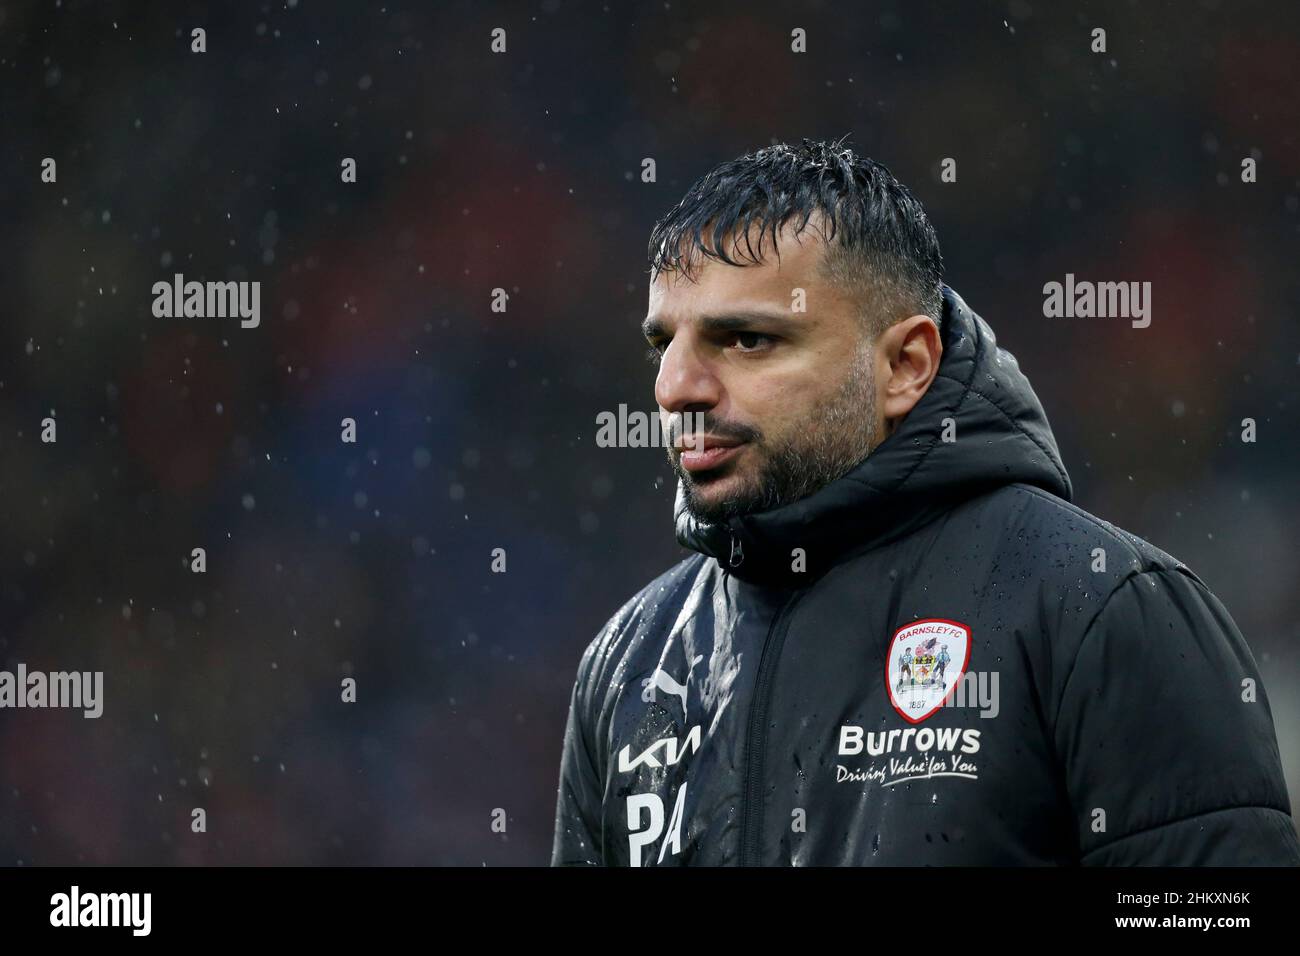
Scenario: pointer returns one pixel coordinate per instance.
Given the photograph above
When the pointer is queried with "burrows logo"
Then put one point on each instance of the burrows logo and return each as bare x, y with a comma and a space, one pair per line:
926, 661
920, 754
923, 668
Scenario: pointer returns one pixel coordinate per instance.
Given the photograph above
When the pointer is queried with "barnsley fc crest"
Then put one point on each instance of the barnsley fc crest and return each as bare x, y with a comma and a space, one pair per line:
926, 660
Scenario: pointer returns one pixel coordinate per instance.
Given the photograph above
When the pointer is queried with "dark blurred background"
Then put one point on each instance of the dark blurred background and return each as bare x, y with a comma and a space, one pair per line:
476, 429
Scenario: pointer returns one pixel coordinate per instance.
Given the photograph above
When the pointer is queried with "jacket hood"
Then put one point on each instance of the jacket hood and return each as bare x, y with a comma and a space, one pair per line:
1002, 437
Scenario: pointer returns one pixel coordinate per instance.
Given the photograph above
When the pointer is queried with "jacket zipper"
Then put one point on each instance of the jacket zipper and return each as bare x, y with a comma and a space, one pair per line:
751, 805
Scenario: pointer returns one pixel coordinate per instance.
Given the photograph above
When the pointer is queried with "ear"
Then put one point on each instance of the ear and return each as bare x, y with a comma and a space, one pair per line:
907, 360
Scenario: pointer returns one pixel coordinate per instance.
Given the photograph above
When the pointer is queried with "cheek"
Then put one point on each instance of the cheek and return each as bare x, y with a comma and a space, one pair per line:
775, 404
782, 396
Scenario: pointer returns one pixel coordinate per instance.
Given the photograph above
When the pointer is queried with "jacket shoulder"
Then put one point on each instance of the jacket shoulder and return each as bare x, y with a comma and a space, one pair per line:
638, 616
1059, 534
1066, 566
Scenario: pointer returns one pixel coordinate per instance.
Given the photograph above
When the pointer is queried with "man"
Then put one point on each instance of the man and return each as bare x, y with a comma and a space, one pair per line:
941, 666
875, 474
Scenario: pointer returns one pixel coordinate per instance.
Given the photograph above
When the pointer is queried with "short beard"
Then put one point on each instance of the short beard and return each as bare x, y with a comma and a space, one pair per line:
841, 435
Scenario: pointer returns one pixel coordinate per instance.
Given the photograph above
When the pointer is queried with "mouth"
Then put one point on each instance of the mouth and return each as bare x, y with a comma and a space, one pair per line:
703, 452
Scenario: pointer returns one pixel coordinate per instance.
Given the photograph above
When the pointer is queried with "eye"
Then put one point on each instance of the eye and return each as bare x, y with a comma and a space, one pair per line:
752, 341
655, 352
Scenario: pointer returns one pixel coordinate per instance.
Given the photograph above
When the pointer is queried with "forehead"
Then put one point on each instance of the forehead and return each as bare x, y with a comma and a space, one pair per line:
795, 262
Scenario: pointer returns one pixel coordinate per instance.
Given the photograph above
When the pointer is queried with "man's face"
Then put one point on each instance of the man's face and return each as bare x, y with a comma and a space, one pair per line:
786, 398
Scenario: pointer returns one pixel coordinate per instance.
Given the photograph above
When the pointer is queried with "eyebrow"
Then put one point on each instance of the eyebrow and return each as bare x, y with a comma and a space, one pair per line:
727, 322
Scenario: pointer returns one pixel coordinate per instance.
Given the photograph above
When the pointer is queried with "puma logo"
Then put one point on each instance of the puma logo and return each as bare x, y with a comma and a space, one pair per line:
661, 681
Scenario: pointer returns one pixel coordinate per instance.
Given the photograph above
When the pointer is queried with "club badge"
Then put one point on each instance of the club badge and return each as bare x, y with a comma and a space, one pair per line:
926, 660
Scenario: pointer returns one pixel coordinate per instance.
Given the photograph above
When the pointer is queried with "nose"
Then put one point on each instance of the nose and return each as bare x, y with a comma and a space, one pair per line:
685, 382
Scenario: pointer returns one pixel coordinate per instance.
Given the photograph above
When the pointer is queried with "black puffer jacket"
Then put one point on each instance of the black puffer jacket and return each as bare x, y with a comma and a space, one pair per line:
935, 660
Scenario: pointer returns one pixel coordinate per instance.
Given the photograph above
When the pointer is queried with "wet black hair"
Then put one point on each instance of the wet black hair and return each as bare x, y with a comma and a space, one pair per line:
887, 253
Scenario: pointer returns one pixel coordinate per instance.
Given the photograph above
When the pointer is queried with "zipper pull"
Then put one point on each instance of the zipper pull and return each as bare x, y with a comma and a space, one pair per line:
737, 552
